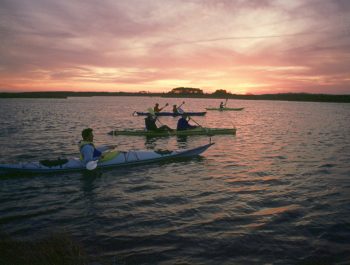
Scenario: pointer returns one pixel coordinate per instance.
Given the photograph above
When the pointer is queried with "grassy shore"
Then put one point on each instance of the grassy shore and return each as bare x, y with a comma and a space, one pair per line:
56, 249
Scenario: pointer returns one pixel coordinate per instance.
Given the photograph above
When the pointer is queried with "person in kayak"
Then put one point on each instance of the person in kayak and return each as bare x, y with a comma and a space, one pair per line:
183, 124
157, 108
222, 105
150, 123
175, 109
87, 148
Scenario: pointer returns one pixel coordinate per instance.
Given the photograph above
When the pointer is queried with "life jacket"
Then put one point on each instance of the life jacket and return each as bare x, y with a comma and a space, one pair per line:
83, 143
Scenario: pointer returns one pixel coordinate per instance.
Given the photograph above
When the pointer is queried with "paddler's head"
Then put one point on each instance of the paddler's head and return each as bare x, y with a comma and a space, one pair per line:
87, 135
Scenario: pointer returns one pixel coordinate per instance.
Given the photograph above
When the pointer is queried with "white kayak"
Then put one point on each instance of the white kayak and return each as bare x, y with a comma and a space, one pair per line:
111, 159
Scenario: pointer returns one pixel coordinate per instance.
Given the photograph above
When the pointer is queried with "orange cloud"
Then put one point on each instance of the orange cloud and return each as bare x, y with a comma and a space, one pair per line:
255, 47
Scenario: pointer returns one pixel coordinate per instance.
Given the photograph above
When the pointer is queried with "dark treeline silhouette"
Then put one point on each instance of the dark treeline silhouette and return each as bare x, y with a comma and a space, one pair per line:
220, 94
66, 94
280, 96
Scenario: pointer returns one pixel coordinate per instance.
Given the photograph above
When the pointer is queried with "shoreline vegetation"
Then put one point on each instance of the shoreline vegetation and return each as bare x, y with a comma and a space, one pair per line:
183, 92
55, 249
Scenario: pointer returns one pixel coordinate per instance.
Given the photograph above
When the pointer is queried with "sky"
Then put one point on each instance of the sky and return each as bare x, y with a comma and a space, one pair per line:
241, 46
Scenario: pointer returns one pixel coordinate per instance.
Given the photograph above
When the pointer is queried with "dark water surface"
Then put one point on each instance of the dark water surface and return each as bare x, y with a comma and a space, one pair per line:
276, 193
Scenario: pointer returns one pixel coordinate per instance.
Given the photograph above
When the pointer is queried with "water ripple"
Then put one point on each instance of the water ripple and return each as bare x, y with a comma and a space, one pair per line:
276, 193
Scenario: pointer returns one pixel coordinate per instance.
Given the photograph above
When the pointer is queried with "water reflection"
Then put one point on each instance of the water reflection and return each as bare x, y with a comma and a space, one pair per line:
87, 180
182, 141
150, 142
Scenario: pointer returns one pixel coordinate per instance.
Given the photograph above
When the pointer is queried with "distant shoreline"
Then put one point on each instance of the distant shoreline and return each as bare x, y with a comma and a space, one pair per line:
305, 97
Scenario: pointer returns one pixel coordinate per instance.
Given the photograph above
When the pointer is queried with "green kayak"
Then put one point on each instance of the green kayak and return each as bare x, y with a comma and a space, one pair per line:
222, 109
196, 131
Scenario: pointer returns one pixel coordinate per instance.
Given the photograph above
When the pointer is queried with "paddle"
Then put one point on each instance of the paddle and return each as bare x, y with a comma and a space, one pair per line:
183, 102
181, 112
194, 121
225, 103
166, 104
91, 165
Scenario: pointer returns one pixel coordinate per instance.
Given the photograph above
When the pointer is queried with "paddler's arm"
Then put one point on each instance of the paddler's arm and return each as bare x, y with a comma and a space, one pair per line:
104, 148
163, 107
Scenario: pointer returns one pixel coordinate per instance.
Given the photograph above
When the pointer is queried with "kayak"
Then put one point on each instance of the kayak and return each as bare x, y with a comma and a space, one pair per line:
170, 113
195, 131
111, 159
222, 109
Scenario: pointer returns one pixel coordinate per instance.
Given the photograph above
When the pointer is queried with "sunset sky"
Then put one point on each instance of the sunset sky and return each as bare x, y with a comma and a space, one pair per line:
251, 46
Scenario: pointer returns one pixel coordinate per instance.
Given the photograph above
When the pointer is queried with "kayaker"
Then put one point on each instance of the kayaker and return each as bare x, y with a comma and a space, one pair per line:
87, 148
175, 110
222, 105
150, 123
157, 108
183, 124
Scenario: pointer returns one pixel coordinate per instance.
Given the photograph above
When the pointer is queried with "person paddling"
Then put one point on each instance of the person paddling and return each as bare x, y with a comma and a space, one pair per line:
175, 109
158, 109
87, 148
222, 105
150, 123
183, 124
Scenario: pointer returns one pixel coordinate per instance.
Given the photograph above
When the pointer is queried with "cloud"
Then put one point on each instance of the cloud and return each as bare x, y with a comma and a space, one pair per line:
215, 43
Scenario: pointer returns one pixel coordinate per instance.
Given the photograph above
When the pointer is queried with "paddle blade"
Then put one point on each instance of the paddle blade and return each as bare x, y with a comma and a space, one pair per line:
91, 165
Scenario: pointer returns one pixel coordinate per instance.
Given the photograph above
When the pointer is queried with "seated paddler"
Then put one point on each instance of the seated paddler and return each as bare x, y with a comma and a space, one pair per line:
150, 123
183, 124
87, 148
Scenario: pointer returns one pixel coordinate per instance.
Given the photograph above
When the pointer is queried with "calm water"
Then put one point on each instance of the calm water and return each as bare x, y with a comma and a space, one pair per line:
276, 193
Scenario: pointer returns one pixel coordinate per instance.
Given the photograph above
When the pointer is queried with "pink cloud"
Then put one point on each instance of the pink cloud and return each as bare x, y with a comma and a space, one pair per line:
301, 46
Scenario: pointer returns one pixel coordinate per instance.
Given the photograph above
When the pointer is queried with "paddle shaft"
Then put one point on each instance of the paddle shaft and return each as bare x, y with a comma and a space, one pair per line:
166, 104
181, 112
180, 105
91, 165
159, 120
194, 121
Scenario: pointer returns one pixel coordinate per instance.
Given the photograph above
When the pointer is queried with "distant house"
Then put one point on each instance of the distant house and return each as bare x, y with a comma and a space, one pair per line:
186, 90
